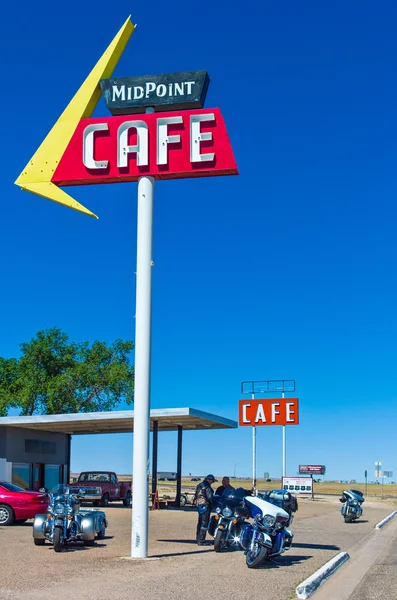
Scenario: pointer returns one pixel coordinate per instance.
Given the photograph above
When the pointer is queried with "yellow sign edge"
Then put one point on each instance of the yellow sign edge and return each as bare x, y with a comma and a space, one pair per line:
36, 176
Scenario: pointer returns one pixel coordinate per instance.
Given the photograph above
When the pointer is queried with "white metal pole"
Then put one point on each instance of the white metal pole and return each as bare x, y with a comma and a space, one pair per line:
254, 455
284, 450
140, 468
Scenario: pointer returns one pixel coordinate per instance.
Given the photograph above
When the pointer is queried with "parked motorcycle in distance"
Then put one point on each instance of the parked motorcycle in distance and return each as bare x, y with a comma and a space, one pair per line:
228, 524
268, 535
65, 522
352, 501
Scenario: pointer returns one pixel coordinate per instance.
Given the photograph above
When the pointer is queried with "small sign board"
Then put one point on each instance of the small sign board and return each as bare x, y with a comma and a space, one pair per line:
312, 469
170, 91
387, 473
298, 485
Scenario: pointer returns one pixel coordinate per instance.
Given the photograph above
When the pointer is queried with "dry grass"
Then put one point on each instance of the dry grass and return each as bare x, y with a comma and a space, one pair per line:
168, 488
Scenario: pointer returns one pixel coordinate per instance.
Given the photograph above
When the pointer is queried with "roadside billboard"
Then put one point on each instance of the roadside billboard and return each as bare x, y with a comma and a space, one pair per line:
312, 469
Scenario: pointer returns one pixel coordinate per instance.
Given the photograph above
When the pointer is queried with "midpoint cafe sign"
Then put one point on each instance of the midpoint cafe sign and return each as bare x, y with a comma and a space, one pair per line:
185, 141
173, 91
270, 411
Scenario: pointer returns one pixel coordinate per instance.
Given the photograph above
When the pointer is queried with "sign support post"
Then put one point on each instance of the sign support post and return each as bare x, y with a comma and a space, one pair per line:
143, 325
253, 455
284, 449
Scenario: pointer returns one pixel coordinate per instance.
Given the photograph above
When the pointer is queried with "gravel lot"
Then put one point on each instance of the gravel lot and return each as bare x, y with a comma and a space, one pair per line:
178, 568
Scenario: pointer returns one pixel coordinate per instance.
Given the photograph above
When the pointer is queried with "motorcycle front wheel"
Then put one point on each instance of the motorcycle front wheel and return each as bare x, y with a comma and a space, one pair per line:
257, 556
57, 540
219, 541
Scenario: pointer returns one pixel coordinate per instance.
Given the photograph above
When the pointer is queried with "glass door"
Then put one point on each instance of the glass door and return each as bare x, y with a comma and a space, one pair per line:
38, 476
52, 476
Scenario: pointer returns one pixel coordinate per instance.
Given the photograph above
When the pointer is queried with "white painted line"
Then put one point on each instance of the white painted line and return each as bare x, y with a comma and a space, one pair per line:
386, 520
312, 583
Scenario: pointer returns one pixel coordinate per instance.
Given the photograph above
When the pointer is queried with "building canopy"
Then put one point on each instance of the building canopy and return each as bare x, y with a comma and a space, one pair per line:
121, 421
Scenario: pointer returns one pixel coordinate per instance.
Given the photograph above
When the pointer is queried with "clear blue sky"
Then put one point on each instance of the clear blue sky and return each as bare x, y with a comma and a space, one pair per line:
286, 271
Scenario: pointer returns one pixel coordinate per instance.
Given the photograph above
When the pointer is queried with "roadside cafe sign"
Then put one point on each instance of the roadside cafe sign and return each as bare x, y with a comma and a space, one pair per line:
158, 129
269, 411
180, 140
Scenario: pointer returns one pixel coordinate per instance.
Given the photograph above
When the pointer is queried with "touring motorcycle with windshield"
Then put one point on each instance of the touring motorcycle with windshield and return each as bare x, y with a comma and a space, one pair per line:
352, 501
228, 523
267, 536
65, 522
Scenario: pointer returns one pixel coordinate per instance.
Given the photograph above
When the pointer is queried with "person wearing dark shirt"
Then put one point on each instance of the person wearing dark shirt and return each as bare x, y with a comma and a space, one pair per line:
204, 494
224, 487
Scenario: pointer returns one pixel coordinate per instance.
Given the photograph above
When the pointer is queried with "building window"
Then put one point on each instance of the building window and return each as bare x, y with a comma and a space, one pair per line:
52, 476
22, 475
40, 447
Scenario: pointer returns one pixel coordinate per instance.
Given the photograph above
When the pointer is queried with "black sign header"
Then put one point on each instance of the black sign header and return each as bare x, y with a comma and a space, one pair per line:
172, 91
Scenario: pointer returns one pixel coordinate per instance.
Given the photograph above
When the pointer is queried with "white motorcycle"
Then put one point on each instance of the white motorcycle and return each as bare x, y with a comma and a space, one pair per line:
268, 535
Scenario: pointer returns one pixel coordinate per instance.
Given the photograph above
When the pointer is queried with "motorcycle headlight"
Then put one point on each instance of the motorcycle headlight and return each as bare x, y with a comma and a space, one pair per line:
58, 509
269, 520
217, 510
227, 512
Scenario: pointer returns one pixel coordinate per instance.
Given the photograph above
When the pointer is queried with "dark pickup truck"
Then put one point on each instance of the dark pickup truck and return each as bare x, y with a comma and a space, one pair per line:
102, 487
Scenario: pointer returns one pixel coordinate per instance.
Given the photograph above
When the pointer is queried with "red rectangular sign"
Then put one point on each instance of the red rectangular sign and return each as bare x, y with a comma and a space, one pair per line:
316, 469
171, 145
269, 411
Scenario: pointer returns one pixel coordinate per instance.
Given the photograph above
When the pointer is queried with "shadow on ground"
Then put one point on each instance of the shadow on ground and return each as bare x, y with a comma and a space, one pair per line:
316, 546
285, 561
169, 555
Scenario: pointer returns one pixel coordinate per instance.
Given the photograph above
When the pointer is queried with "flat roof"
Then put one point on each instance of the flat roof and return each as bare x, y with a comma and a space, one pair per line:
119, 421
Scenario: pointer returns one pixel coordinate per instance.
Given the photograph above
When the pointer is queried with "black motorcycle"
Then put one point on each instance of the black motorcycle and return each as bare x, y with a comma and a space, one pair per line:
352, 501
228, 524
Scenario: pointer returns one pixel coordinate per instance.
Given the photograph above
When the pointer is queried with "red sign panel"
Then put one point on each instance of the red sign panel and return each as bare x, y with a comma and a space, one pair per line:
172, 145
269, 411
315, 469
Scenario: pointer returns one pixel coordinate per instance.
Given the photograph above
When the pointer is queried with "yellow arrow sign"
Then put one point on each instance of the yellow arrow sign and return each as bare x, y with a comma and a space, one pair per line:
36, 176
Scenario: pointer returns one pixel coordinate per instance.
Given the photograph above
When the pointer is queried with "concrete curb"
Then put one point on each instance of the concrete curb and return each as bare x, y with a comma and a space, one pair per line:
312, 583
386, 520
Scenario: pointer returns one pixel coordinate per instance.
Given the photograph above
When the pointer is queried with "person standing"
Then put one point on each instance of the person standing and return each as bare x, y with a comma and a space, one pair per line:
204, 494
225, 487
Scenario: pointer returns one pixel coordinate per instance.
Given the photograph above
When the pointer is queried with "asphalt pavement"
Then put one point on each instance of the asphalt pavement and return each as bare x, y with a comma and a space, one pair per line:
380, 582
371, 572
178, 568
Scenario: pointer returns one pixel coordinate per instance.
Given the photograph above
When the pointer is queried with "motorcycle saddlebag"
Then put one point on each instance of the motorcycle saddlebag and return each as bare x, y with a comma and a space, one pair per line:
291, 503
212, 525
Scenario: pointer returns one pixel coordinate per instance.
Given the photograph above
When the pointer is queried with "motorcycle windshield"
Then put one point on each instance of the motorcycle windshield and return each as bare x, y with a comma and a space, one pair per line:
60, 490
237, 494
232, 499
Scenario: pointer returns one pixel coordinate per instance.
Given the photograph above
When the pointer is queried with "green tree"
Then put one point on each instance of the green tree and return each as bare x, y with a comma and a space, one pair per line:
54, 376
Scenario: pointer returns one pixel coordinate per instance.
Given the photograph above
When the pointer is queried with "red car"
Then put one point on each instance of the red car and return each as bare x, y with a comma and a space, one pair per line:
17, 505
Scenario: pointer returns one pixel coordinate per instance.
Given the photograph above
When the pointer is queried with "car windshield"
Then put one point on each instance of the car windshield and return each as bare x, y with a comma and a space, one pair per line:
94, 477
11, 487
